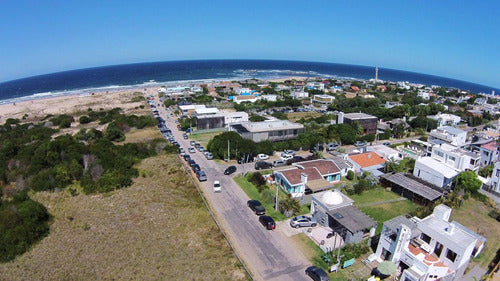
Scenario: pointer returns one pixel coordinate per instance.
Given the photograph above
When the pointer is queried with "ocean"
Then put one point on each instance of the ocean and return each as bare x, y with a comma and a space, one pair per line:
84, 81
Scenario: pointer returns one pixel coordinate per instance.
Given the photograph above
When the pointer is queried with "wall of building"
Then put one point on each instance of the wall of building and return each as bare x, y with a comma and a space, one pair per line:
369, 124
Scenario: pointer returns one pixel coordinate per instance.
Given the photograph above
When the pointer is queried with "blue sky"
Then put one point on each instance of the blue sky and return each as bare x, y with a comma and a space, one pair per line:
456, 39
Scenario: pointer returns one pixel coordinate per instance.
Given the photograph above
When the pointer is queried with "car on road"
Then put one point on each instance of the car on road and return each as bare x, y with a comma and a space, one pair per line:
192, 143
262, 165
267, 222
302, 221
256, 207
289, 152
229, 170
200, 148
217, 186
191, 162
279, 163
187, 157
295, 159
182, 151
208, 155
191, 150
185, 136
201, 176
317, 274
332, 146
262, 156
196, 168
386, 143
359, 143
286, 157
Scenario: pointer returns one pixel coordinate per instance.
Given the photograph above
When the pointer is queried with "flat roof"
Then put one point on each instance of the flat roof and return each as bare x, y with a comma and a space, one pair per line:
352, 218
451, 130
359, 115
394, 224
265, 126
415, 186
438, 166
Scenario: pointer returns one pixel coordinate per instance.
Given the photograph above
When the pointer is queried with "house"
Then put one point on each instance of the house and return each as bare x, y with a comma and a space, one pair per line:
220, 120
424, 94
385, 152
434, 172
200, 111
308, 177
355, 89
335, 210
495, 179
189, 109
391, 104
299, 94
448, 134
429, 249
412, 188
276, 130
445, 119
323, 99
269, 97
367, 161
343, 164
489, 152
316, 86
368, 122
456, 158
244, 98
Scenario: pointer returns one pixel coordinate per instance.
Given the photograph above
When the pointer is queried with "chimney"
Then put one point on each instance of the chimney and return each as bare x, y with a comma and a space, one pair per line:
303, 178
369, 155
450, 229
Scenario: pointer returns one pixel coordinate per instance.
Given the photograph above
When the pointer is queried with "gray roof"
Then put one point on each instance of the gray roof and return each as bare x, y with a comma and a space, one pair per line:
412, 184
451, 130
341, 163
359, 115
352, 218
394, 224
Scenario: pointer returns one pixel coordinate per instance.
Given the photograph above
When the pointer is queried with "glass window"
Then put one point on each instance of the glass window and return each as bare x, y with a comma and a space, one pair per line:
451, 255
426, 238
452, 158
439, 153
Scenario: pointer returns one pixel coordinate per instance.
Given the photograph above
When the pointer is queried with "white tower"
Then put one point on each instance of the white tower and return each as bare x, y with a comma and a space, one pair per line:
376, 74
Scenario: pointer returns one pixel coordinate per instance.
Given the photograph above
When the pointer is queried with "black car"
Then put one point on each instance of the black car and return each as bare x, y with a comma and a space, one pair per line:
229, 170
187, 157
256, 207
263, 165
317, 274
267, 222
191, 162
295, 159
196, 168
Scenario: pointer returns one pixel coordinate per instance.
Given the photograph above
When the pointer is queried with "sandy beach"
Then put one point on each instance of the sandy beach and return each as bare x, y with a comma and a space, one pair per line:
35, 110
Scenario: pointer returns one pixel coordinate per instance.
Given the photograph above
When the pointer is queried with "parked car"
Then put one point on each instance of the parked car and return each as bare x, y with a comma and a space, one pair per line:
209, 155
332, 146
256, 207
187, 157
229, 170
201, 175
295, 159
359, 143
191, 162
185, 136
200, 148
267, 222
260, 165
286, 157
317, 274
289, 152
196, 168
303, 221
386, 143
262, 156
191, 150
182, 151
217, 186
192, 143
279, 163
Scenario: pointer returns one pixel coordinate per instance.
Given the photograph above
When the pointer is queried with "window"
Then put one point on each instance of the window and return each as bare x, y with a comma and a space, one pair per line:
497, 173
451, 255
439, 153
452, 158
426, 238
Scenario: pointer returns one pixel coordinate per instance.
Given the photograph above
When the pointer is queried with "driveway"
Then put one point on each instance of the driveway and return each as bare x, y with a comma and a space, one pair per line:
267, 254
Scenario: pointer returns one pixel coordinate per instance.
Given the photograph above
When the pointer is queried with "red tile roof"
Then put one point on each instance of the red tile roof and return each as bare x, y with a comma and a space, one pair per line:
293, 175
367, 159
325, 167
491, 146
355, 88
428, 259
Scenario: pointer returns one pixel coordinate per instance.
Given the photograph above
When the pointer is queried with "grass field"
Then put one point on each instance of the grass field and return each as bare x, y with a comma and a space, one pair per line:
384, 212
373, 195
203, 138
157, 229
294, 116
142, 135
474, 215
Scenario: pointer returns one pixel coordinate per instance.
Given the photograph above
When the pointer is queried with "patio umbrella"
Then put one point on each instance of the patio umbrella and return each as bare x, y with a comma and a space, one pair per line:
386, 268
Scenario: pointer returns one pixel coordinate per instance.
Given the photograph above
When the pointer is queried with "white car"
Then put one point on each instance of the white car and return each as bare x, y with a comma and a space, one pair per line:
262, 156
217, 187
286, 157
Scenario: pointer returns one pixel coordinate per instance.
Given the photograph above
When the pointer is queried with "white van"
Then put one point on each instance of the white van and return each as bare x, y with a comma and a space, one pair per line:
217, 187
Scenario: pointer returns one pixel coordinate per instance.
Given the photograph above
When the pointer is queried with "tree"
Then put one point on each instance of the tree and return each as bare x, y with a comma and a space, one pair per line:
486, 171
290, 206
468, 181
350, 175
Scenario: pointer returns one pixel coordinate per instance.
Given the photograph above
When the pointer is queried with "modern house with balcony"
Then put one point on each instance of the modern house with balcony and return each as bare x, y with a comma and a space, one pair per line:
456, 158
429, 249
276, 130
490, 153
448, 134
495, 179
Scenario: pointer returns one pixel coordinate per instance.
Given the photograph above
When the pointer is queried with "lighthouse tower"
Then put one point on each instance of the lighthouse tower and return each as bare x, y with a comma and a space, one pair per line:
376, 74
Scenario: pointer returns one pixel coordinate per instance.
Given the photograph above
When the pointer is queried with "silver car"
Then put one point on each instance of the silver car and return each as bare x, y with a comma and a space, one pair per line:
302, 221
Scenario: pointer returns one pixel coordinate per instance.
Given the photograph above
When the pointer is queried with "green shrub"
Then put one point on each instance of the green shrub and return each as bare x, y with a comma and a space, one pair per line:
350, 175
84, 119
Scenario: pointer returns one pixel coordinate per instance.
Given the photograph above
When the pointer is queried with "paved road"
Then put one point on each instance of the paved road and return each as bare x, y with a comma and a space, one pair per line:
269, 255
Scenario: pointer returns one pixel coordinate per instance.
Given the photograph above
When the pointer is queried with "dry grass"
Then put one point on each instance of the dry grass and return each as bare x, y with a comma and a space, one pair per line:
145, 134
157, 229
474, 215
294, 116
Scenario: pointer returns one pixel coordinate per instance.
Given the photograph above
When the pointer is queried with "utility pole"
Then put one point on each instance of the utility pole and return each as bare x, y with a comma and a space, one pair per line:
228, 153
277, 196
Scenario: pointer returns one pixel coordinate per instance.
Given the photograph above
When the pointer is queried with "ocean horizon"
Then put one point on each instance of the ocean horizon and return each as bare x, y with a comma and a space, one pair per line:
103, 78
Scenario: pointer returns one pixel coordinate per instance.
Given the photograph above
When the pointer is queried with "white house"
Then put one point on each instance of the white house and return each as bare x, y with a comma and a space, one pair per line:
269, 97
434, 172
448, 134
385, 152
429, 249
489, 152
231, 117
324, 99
445, 119
316, 85
248, 98
456, 158
495, 179
299, 94
424, 94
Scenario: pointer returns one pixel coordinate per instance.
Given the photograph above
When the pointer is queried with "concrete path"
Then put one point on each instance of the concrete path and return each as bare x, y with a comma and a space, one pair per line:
381, 202
268, 255
474, 274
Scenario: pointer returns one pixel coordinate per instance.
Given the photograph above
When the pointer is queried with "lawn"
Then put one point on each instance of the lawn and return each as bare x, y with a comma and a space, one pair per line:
204, 137
384, 212
373, 195
156, 229
474, 215
294, 116
254, 194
